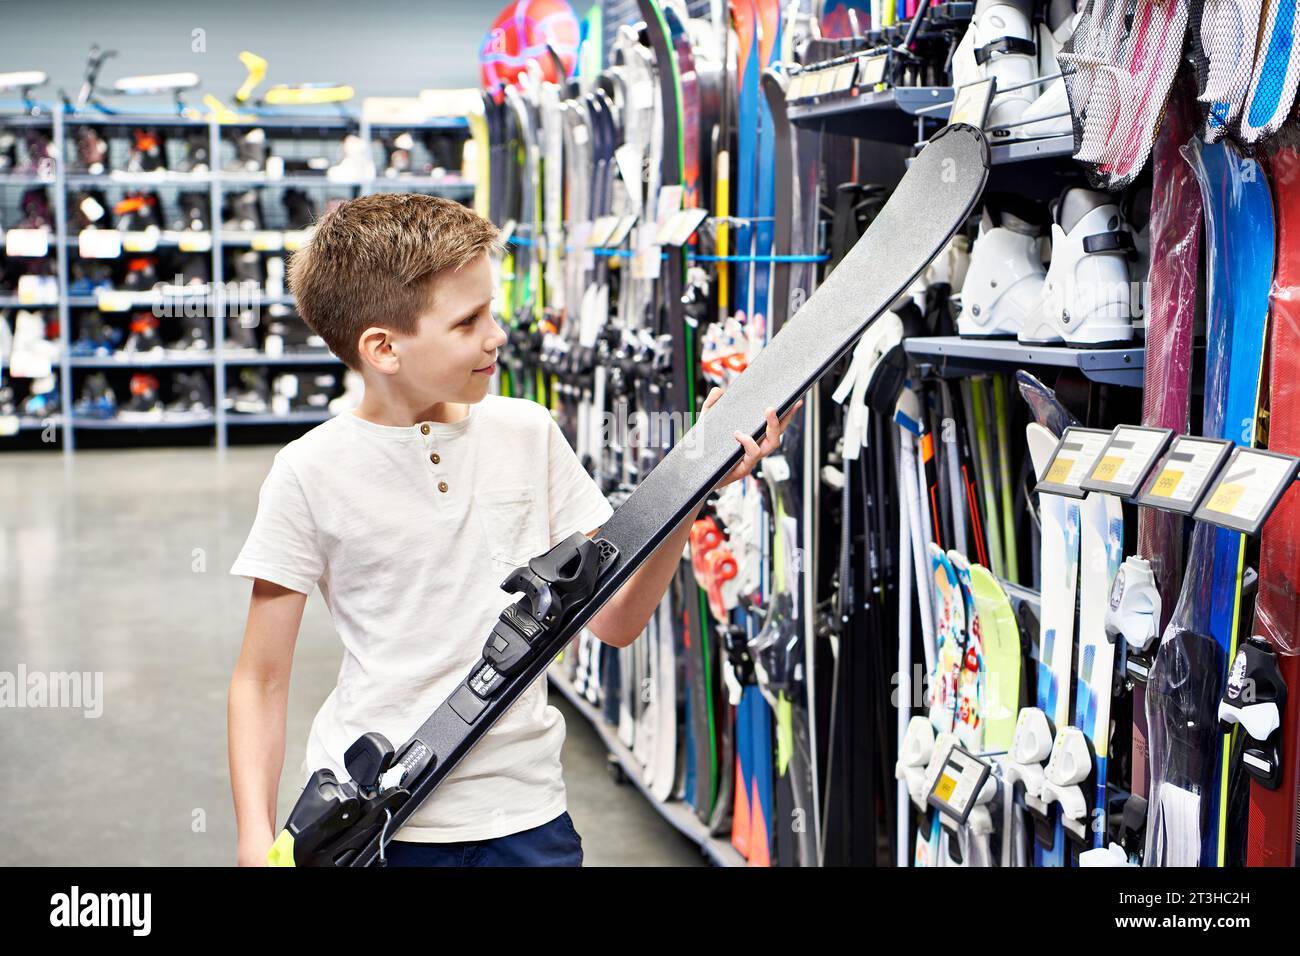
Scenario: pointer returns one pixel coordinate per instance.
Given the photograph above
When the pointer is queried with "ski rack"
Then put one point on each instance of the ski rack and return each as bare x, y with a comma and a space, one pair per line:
678, 814
890, 116
950, 356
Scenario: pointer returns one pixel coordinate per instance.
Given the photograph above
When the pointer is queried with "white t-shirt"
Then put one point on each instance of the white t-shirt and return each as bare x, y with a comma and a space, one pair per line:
409, 533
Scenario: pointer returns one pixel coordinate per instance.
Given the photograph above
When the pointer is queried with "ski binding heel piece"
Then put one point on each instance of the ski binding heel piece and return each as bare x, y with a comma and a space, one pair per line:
1255, 698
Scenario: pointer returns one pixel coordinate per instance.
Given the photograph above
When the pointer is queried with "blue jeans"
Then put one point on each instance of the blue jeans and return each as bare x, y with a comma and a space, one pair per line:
552, 844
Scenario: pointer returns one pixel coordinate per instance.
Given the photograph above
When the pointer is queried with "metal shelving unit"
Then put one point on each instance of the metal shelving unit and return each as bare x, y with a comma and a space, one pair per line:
682, 817
65, 245
954, 357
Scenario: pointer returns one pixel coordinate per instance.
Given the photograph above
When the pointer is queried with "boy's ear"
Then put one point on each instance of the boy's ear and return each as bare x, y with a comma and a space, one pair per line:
376, 349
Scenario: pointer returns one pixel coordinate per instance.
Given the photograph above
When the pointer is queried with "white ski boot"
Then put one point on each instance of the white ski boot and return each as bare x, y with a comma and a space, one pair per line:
1049, 115
1000, 43
1003, 288
1087, 298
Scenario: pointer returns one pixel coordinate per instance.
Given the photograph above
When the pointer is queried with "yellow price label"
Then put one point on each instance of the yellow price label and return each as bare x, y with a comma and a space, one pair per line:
945, 787
1060, 470
195, 242
1167, 483
114, 302
1225, 499
268, 241
1106, 468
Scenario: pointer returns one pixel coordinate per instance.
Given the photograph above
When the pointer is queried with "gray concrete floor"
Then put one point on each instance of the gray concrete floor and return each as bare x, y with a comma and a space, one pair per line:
115, 563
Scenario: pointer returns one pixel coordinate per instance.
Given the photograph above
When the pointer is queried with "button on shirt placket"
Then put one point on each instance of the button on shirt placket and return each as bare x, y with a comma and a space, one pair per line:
435, 459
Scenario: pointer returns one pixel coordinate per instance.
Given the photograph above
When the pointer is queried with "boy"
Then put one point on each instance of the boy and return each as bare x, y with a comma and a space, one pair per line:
408, 513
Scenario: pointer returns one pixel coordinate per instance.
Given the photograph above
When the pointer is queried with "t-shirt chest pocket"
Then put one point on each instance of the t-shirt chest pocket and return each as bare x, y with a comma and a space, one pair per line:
512, 524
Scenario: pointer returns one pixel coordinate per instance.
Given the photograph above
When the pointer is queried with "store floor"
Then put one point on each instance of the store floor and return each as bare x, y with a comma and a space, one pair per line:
114, 565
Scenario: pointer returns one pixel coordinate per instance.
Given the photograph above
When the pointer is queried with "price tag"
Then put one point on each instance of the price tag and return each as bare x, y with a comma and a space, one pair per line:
871, 70
146, 241
958, 784
1179, 482
267, 241
600, 231
1127, 459
1072, 461
8, 425
194, 241
795, 90
295, 239
111, 300
28, 243
825, 82
970, 103
619, 234
1247, 489
99, 243
679, 229
38, 290
844, 74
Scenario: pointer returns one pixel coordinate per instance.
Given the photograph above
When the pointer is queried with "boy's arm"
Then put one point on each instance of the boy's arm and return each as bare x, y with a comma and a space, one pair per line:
256, 714
626, 614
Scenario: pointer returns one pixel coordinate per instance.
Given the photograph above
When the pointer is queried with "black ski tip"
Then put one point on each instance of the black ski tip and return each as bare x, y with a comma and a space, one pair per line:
964, 131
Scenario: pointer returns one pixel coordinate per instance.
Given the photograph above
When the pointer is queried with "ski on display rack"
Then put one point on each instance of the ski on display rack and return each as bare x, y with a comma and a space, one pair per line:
1189, 758
349, 822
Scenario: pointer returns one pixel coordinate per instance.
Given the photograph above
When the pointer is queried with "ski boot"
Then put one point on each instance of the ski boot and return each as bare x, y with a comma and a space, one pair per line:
92, 151
252, 395
250, 152
97, 399
1087, 294
195, 213
8, 151
353, 388
1000, 43
1003, 287
287, 332
191, 394
1255, 698
194, 276
141, 274
196, 159
315, 392
355, 164
44, 398
40, 154
248, 269
144, 402
243, 212
195, 334
35, 206
1049, 114
399, 149
447, 151
95, 336
137, 212
144, 334
87, 209
241, 331
300, 213
147, 153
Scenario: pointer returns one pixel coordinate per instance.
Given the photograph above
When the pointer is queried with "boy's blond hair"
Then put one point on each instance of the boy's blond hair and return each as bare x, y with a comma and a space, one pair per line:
372, 261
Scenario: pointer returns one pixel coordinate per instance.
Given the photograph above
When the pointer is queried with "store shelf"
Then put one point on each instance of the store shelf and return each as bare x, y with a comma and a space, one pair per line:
677, 813
168, 420
287, 358
1019, 151
138, 180
10, 300
27, 423
292, 418
25, 179
885, 116
124, 118
166, 239
299, 180
954, 357
144, 360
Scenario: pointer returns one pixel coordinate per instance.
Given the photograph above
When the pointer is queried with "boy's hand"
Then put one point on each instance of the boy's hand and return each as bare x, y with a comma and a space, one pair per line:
754, 451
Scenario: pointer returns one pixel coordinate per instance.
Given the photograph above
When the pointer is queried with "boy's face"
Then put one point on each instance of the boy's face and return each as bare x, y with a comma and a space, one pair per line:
453, 352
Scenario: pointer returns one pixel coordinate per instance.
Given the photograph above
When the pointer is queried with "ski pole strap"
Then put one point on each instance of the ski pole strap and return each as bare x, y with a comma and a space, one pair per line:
1006, 45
